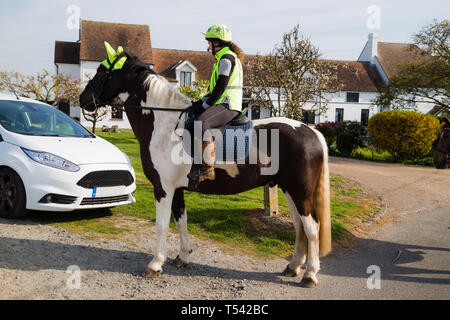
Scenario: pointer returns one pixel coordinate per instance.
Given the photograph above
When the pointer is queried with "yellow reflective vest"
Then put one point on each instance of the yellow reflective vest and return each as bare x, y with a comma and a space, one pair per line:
233, 92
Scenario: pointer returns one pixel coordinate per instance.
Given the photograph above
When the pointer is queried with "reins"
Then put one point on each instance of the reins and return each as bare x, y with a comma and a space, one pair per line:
123, 106
182, 111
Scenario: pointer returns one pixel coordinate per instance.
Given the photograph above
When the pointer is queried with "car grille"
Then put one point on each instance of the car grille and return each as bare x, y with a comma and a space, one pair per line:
104, 200
109, 178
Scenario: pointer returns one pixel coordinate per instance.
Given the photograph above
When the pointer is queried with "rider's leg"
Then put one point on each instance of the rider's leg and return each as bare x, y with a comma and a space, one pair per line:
216, 116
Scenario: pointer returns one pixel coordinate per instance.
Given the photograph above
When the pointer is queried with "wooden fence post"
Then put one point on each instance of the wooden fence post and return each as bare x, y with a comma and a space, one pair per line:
270, 200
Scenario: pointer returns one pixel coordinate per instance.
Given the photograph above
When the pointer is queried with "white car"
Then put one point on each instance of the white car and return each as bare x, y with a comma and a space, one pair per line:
49, 162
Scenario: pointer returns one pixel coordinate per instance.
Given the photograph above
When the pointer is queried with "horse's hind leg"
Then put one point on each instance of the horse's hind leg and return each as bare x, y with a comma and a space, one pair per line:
180, 216
301, 199
312, 232
299, 257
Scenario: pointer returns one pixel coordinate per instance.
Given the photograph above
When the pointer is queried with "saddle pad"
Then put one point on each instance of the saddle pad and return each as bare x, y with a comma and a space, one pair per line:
235, 144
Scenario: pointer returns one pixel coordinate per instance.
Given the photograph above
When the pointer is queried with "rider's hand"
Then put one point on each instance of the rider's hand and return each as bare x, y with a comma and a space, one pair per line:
197, 107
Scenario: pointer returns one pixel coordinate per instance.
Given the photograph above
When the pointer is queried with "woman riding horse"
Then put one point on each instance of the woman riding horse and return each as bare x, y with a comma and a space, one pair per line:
224, 100
153, 107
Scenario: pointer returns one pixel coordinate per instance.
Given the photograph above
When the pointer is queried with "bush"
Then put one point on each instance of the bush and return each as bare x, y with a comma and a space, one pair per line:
328, 130
348, 136
404, 134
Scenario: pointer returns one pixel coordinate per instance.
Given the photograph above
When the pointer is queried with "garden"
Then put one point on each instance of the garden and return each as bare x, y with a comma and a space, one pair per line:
391, 136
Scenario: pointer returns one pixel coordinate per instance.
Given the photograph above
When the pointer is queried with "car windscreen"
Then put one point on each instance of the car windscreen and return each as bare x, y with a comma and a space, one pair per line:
39, 120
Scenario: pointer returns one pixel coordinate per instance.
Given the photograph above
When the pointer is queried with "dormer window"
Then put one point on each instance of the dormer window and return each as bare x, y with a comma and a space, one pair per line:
185, 78
352, 96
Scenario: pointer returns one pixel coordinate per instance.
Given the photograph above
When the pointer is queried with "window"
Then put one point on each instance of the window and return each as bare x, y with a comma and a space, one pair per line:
185, 78
352, 96
116, 114
256, 112
364, 117
339, 115
37, 119
308, 117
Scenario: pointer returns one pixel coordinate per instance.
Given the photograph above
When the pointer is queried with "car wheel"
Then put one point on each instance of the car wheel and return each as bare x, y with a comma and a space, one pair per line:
12, 195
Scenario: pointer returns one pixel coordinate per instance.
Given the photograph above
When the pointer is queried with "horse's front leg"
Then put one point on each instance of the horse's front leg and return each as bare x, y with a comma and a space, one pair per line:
180, 216
163, 207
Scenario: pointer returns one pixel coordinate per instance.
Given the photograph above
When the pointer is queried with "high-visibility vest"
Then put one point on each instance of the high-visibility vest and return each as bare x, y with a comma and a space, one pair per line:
233, 93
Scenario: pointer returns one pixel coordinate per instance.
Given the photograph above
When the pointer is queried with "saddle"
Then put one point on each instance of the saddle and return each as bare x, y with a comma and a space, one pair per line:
235, 143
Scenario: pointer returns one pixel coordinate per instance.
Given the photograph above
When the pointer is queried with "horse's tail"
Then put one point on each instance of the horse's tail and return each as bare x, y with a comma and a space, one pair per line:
322, 202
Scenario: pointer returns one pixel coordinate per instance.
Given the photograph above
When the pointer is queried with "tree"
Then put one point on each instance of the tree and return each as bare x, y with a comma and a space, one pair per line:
98, 115
427, 77
196, 91
43, 86
294, 74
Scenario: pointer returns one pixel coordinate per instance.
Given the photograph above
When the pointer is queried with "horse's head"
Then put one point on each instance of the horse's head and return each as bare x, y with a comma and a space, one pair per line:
443, 145
121, 72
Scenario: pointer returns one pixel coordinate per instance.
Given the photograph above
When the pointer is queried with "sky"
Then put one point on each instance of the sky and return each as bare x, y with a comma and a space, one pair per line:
29, 28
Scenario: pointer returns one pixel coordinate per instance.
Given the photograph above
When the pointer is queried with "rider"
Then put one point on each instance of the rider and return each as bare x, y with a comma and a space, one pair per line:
224, 99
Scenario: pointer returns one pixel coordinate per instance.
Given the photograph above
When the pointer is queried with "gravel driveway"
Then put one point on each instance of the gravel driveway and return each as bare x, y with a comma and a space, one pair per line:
45, 262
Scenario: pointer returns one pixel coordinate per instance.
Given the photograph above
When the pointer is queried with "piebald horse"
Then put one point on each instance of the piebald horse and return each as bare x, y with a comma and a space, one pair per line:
302, 173
442, 148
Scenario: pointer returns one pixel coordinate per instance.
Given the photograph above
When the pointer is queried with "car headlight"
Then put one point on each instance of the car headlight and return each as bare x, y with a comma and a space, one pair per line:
51, 160
128, 160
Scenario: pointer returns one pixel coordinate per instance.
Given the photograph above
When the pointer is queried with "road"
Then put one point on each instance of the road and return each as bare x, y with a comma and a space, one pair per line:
415, 236
403, 255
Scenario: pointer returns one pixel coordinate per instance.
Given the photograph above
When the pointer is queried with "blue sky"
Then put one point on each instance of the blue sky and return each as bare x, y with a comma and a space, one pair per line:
28, 29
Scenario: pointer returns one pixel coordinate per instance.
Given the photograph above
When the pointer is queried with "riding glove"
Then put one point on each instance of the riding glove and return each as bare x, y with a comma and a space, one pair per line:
197, 107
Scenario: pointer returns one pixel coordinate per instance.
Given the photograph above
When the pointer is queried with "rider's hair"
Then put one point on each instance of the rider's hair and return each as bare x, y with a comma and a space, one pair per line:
237, 50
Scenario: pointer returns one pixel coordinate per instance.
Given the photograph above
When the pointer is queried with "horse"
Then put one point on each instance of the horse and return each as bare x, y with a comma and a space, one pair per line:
442, 148
302, 174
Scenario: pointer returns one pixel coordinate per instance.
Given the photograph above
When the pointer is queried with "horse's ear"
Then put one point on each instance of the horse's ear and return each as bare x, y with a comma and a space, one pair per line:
110, 51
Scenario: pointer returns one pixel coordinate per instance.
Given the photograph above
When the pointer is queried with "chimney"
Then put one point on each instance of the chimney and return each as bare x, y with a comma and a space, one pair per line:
373, 46
370, 50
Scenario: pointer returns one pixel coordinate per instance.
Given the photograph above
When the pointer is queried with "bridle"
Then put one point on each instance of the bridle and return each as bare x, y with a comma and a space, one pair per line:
98, 90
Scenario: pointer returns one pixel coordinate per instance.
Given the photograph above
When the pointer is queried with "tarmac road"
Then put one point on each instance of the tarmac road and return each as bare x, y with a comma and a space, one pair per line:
411, 248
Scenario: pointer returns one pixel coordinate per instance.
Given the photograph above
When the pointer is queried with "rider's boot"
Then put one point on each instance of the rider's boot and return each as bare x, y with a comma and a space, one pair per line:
206, 171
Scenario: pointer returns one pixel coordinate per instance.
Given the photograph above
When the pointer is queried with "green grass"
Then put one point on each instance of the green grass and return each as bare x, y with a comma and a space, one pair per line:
381, 156
233, 221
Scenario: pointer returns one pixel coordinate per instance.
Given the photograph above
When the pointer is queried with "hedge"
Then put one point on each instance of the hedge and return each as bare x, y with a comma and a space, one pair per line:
404, 134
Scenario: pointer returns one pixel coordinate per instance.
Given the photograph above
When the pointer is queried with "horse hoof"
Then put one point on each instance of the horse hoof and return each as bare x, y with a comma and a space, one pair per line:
308, 283
149, 273
180, 263
288, 272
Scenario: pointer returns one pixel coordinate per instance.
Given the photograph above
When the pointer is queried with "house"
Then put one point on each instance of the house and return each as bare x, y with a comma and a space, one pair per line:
387, 57
81, 59
361, 79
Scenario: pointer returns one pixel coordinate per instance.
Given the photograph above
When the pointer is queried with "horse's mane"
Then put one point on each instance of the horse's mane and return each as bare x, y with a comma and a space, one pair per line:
161, 93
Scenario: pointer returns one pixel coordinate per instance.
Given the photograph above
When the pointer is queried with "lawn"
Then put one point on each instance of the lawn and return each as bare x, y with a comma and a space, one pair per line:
371, 154
235, 222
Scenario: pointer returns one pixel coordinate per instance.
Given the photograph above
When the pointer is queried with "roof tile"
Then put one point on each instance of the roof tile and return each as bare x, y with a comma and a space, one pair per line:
133, 38
67, 52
